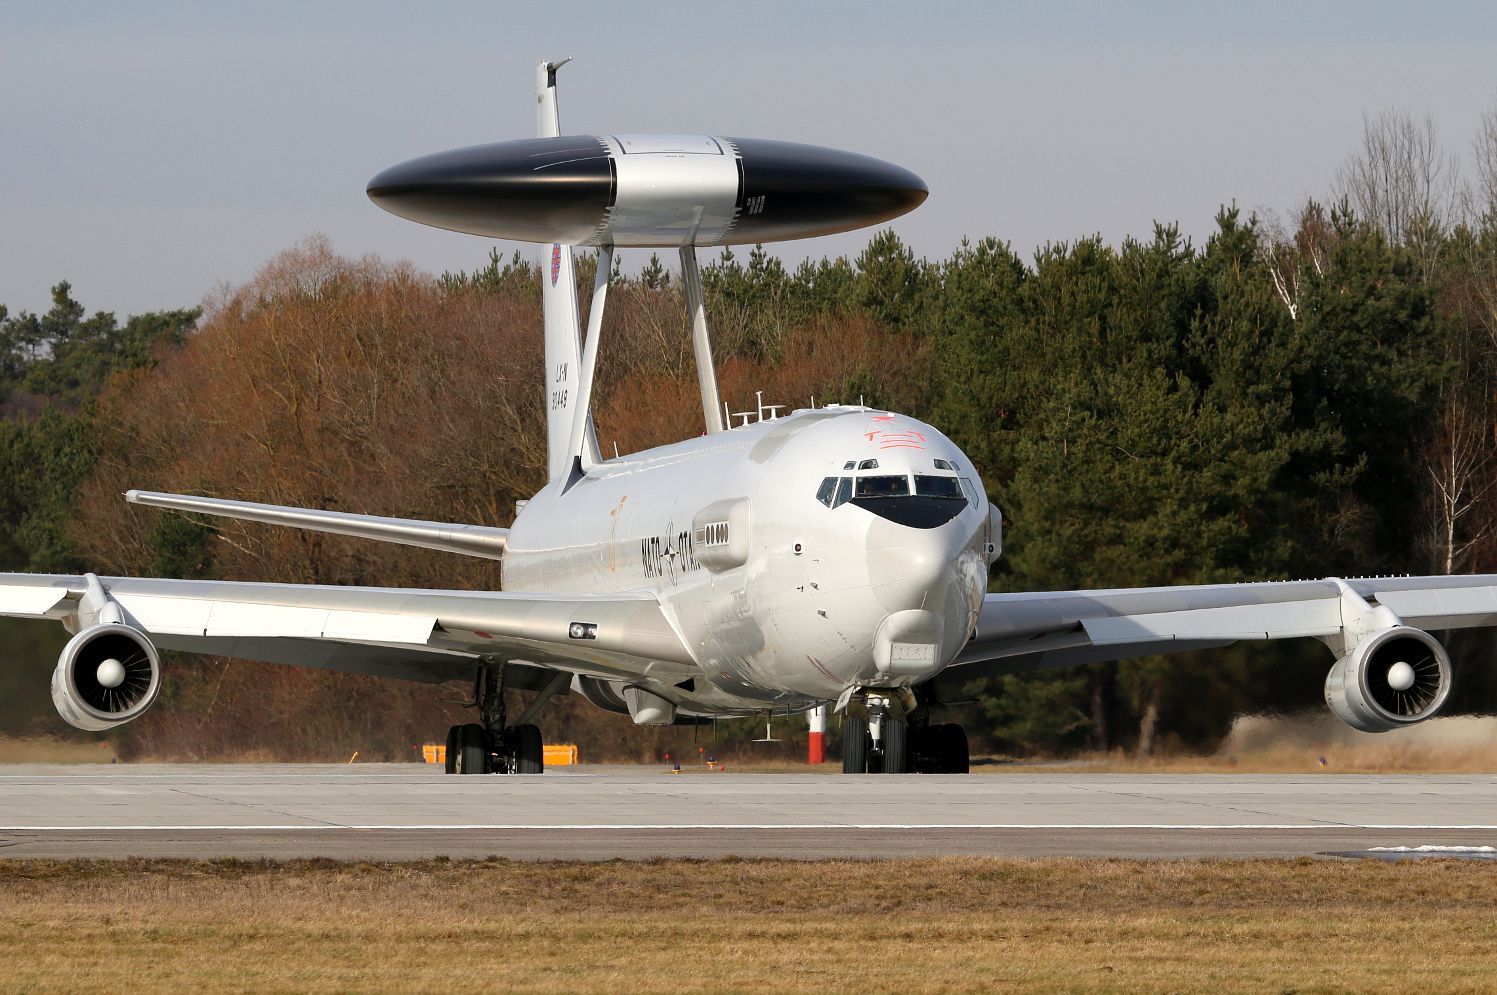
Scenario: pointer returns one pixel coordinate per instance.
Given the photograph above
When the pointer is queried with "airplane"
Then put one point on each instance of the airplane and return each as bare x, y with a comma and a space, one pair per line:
829, 556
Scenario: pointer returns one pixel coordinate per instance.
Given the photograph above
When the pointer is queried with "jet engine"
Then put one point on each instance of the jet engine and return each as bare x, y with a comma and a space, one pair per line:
607, 695
1394, 678
107, 674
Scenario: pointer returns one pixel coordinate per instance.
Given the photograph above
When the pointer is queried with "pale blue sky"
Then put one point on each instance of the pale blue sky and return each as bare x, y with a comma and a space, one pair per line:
151, 151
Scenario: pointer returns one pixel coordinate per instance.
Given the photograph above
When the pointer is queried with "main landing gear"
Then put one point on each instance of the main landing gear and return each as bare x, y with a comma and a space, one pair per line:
492, 746
891, 733
472, 749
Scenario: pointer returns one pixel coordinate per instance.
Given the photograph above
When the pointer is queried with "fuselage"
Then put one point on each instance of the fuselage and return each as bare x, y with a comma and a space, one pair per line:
797, 557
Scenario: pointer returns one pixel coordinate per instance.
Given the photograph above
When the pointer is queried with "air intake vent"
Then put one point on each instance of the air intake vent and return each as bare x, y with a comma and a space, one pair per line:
720, 533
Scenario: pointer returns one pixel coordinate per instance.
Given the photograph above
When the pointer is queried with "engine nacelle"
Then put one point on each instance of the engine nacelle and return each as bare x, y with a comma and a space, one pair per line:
107, 674
607, 695
1394, 678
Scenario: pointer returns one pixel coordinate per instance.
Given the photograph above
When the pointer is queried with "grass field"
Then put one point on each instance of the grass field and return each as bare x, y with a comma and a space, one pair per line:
929, 925
45, 750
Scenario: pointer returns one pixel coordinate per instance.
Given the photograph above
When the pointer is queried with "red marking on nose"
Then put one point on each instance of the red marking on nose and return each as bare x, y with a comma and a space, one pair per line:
898, 440
482, 635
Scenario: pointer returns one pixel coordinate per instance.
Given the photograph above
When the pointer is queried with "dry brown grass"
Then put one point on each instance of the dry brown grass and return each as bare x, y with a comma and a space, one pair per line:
920, 925
1298, 745
46, 750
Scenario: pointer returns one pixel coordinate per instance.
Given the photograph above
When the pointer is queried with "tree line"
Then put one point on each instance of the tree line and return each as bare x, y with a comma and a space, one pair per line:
1292, 398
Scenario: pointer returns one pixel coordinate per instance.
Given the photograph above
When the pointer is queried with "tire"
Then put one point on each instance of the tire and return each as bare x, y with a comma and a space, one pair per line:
449, 762
953, 750
527, 749
473, 749
925, 749
896, 746
854, 745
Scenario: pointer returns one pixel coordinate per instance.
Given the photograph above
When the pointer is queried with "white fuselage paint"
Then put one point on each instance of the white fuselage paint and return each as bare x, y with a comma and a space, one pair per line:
799, 620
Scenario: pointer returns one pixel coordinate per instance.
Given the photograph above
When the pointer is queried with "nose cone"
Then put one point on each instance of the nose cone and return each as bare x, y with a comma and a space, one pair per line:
793, 191
926, 583
537, 190
911, 568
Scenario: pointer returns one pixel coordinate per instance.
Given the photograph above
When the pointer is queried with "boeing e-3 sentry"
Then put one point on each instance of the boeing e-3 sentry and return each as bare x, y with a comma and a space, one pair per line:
827, 556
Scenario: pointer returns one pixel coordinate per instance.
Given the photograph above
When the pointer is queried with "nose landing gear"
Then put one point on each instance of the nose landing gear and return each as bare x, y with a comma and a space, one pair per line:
890, 733
875, 735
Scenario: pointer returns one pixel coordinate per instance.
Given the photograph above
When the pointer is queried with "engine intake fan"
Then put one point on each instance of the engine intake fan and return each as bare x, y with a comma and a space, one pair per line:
107, 674
1395, 678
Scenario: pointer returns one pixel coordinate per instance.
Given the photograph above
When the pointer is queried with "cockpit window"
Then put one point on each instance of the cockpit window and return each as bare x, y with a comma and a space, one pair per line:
868, 464
935, 501
871, 487
891, 496
938, 487
827, 491
941, 465
850, 465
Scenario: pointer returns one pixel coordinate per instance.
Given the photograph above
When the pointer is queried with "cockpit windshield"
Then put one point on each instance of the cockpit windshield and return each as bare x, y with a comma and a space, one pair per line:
921, 501
883, 486
938, 487
834, 491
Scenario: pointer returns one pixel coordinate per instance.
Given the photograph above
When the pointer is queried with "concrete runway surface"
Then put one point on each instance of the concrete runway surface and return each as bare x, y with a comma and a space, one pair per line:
404, 811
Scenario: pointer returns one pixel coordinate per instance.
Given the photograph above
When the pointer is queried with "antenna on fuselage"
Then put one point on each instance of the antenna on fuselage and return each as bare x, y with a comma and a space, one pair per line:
768, 729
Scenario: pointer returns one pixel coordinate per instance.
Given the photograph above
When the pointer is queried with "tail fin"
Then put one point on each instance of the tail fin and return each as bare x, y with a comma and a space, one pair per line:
559, 303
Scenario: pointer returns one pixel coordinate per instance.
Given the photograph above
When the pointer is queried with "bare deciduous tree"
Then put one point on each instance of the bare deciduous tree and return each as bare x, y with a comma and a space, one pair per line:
1288, 255
1459, 464
1484, 151
1402, 180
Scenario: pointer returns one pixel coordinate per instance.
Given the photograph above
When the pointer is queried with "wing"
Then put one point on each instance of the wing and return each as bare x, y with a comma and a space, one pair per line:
470, 540
411, 634
1019, 632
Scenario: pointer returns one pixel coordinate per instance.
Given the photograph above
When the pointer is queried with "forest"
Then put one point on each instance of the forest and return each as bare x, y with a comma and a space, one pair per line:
1300, 396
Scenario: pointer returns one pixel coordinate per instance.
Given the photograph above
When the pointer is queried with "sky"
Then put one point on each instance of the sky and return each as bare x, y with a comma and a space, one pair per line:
152, 152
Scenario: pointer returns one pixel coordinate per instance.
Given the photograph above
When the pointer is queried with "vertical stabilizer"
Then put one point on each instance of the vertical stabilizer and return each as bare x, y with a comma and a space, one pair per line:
559, 303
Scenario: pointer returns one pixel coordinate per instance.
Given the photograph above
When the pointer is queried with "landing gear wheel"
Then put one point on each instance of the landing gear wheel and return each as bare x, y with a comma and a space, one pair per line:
925, 750
896, 745
854, 745
449, 759
952, 748
472, 749
527, 752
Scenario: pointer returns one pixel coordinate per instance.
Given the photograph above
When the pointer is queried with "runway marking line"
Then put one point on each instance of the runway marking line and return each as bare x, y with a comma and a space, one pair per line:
634, 827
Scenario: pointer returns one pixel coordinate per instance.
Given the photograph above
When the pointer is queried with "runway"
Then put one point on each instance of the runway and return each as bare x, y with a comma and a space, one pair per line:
406, 811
